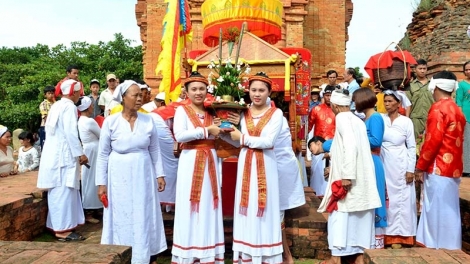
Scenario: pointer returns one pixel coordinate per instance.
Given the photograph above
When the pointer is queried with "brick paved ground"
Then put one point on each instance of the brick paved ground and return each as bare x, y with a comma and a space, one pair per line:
88, 251
415, 256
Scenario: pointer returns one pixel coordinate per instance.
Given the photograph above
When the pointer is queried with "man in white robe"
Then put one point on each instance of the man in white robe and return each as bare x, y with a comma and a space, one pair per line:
351, 219
59, 167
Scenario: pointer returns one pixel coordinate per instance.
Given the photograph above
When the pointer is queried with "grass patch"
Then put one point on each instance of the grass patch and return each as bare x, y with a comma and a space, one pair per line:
45, 237
427, 5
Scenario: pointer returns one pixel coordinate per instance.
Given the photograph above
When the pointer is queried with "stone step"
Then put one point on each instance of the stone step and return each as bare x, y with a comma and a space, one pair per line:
415, 256
67, 252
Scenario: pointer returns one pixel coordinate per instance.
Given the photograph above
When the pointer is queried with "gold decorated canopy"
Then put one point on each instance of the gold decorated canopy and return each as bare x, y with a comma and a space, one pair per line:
264, 18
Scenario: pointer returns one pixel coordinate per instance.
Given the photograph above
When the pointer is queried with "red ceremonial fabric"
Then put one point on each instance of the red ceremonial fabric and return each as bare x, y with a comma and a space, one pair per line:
338, 193
167, 112
386, 61
263, 29
99, 119
58, 91
441, 152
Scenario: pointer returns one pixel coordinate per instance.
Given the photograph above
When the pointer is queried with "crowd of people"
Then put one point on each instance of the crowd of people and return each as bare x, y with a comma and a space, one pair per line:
112, 154
414, 139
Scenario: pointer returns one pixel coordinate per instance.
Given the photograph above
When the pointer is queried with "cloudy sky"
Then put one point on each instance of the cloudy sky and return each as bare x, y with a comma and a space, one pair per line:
375, 23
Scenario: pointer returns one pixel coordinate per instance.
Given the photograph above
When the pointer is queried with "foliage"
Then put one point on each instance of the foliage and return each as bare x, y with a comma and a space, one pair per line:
226, 78
359, 74
406, 42
425, 5
25, 71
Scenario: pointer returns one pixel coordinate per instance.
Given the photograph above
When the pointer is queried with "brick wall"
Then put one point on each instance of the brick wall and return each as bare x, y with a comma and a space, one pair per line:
318, 25
23, 219
439, 36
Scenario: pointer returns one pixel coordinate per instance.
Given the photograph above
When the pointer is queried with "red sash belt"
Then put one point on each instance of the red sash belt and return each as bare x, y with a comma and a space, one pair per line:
203, 149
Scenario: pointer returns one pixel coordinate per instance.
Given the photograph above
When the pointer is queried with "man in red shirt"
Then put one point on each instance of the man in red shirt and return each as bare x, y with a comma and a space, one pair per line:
321, 122
440, 167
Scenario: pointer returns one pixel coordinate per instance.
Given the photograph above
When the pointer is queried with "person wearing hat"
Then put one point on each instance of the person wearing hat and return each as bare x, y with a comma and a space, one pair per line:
44, 108
95, 97
321, 123
59, 170
257, 234
89, 133
440, 166
157, 102
146, 90
199, 233
314, 98
129, 174
351, 221
106, 101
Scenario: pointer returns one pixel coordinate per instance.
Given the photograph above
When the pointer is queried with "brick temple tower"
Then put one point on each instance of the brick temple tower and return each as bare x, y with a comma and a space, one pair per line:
318, 25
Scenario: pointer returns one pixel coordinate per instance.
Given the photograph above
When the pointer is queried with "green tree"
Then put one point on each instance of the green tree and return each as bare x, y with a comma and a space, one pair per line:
25, 71
359, 74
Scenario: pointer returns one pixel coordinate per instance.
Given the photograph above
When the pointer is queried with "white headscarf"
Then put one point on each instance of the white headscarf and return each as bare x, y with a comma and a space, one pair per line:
3, 130
69, 86
339, 98
121, 89
85, 104
447, 85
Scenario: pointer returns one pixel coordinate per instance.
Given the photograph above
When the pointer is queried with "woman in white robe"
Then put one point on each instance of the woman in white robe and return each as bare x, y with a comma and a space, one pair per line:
398, 153
89, 133
128, 168
198, 235
257, 222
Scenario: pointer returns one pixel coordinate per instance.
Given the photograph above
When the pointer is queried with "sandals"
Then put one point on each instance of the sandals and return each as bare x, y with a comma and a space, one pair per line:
71, 237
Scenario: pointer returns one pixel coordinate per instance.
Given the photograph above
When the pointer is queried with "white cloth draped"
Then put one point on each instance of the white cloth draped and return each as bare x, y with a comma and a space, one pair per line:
439, 225
291, 194
129, 162
196, 235
352, 159
351, 233
89, 132
59, 169
258, 239
170, 162
398, 154
62, 149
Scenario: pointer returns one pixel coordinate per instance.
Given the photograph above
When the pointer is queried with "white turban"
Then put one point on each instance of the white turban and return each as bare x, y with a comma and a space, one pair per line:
160, 96
3, 130
144, 86
69, 86
85, 103
121, 89
447, 85
339, 98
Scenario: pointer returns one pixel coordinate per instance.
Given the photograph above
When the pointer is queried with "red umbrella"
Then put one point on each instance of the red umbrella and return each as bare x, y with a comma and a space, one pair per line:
385, 60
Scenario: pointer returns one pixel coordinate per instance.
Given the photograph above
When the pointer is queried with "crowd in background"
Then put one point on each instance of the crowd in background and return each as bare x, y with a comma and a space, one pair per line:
379, 158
